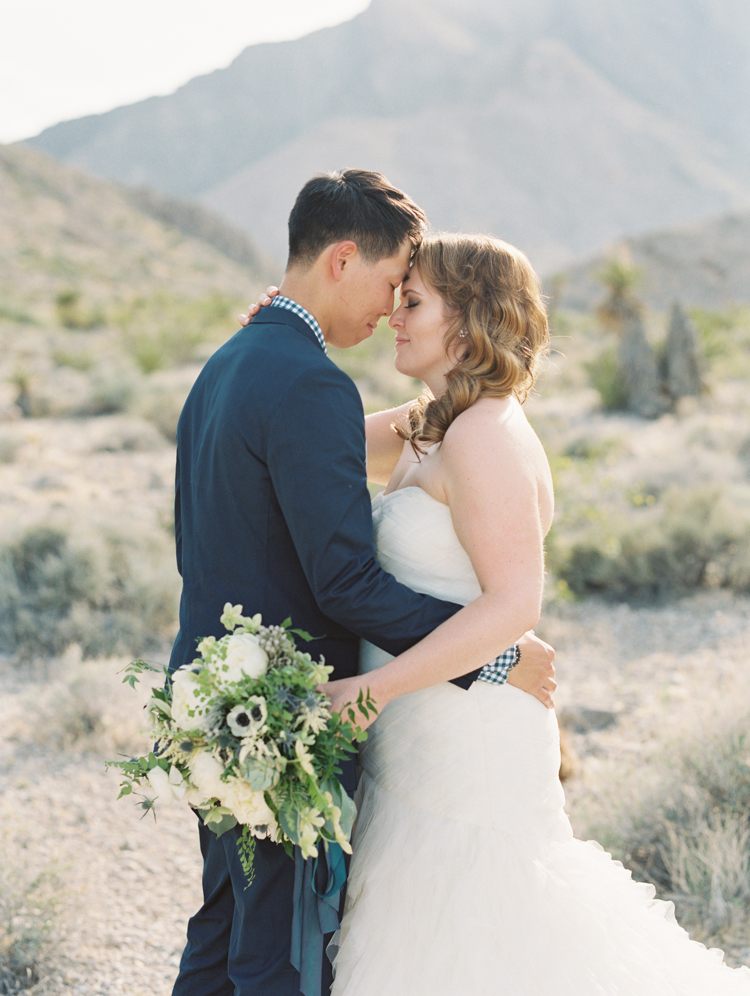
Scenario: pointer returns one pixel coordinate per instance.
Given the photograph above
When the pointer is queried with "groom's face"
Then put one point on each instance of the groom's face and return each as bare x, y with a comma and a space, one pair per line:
365, 293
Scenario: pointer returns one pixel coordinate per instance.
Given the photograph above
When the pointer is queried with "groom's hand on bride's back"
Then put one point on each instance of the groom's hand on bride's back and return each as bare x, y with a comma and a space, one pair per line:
535, 671
262, 302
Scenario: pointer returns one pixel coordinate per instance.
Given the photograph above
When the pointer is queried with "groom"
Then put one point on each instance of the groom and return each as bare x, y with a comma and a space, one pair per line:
272, 512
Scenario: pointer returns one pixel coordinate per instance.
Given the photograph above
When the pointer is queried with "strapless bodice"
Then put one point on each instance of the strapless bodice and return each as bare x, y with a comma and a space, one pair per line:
416, 542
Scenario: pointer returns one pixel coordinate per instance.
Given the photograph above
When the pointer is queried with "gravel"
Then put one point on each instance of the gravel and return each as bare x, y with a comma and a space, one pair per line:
130, 884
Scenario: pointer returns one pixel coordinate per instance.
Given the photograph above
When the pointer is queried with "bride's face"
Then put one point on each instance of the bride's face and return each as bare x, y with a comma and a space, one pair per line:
421, 323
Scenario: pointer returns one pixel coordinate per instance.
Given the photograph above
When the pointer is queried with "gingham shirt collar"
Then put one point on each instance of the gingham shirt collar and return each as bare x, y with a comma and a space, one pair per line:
286, 302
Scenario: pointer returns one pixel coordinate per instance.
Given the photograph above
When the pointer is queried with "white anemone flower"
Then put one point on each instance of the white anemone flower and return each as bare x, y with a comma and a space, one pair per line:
248, 719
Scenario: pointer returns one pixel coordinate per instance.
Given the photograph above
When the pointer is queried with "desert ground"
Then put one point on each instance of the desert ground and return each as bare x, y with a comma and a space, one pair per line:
653, 684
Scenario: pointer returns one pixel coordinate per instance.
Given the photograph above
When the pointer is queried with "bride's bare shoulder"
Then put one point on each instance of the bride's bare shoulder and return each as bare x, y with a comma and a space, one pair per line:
490, 422
493, 444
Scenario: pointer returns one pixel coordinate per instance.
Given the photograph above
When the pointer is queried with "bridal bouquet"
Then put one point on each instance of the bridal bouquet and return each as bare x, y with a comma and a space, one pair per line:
244, 735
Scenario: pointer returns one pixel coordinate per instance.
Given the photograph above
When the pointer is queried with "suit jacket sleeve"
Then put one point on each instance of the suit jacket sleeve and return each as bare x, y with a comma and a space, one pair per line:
317, 461
178, 516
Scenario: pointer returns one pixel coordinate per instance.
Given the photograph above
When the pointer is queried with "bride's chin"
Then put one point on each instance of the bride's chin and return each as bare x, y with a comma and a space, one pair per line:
405, 369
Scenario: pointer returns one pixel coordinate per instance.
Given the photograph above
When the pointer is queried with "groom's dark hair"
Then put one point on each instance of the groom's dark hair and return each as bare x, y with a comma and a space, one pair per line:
352, 204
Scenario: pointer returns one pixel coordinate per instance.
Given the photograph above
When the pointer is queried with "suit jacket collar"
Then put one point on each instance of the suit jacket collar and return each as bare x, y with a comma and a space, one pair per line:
282, 316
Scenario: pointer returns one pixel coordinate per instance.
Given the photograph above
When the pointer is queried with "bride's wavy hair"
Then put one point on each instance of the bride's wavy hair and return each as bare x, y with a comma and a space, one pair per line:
498, 327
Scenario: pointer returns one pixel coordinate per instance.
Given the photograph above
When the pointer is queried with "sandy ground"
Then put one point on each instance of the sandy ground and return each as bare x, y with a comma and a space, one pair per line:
130, 884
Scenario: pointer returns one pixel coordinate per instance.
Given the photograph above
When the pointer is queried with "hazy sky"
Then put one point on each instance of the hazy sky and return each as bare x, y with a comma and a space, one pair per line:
62, 59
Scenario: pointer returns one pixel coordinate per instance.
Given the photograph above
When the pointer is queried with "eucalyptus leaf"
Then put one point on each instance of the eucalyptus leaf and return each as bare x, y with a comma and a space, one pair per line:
219, 820
288, 823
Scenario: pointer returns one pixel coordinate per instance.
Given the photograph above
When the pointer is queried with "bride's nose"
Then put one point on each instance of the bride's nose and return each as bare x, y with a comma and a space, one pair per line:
397, 318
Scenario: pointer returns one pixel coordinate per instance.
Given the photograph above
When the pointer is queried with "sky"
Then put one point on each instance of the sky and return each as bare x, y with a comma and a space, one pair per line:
62, 59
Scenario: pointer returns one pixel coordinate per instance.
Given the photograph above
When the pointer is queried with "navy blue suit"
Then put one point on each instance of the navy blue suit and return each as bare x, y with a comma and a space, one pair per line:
272, 512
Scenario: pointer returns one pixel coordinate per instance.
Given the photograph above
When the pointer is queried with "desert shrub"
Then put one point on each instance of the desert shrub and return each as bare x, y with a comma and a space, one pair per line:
110, 392
103, 589
20, 317
682, 821
72, 390
87, 709
160, 401
606, 378
72, 315
29, 920
149, 352
81, 360
9, 447
163, 332
22, 380
130, 435
725, 338
687, 539
595, 448
164, 412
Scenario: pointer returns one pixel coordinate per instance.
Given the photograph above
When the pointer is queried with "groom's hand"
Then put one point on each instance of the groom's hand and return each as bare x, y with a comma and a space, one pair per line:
535, 671
262, 302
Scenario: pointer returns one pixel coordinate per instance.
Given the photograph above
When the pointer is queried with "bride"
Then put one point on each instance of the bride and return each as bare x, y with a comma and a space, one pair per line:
466, 879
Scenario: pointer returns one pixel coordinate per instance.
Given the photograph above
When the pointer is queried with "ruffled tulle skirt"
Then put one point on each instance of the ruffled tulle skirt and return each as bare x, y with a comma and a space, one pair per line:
466, 879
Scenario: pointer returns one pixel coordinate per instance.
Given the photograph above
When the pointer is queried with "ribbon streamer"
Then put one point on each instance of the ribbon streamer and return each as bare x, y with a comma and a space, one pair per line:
317, 895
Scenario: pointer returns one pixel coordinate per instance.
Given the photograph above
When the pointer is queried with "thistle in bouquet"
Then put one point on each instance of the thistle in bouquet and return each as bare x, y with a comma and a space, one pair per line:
245, 734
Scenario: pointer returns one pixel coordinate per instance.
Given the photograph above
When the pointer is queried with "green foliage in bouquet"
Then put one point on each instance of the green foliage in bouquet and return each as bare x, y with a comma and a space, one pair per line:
246, 737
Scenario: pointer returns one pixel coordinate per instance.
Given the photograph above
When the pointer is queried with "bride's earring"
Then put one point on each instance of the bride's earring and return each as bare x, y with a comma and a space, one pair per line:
463, 334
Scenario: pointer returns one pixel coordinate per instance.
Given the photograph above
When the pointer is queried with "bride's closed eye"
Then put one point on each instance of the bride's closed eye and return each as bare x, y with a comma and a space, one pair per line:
411, 304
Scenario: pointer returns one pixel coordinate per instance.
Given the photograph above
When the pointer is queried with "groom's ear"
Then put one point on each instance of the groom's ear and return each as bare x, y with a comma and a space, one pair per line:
342, 255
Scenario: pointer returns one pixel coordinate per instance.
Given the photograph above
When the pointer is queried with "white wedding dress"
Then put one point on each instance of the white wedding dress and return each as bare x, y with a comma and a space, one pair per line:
466, 879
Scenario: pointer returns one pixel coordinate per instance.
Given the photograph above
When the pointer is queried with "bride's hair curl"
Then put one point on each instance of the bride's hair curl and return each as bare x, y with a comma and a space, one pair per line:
498, 327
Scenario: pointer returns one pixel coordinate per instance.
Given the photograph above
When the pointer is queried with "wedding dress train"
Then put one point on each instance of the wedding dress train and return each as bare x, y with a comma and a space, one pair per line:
466, 879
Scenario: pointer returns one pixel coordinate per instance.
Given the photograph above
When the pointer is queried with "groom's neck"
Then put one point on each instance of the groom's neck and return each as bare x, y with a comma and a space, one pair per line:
308, 288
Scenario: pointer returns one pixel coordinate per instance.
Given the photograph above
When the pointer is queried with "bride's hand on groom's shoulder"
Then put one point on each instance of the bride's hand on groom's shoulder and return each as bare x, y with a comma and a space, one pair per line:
535, 671
263, 301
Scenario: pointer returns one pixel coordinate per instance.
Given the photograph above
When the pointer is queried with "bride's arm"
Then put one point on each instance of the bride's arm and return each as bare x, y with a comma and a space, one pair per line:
491, 487
384, 445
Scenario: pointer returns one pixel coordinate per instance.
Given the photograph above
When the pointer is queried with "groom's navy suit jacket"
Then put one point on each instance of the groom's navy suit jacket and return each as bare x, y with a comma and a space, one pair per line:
272, 512
272, 509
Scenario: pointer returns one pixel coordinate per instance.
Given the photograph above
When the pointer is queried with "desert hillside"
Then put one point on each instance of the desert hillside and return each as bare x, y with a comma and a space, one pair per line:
558, 125
65, 230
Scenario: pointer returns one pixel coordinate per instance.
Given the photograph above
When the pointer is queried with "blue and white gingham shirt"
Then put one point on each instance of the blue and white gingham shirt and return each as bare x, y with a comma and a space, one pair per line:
286, 302
496, 672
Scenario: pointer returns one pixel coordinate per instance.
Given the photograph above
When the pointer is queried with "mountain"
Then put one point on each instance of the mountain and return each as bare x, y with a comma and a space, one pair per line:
557, 124
63, 229
703, 265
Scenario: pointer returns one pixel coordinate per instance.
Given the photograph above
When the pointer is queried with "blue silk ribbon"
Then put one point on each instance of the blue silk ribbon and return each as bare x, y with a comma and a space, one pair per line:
317, 895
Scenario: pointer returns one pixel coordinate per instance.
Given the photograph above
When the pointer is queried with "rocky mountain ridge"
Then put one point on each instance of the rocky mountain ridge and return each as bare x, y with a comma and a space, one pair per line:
704, 265
557, 124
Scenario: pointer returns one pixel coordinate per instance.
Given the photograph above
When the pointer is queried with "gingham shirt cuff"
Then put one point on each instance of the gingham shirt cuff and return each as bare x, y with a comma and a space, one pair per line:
497, 671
